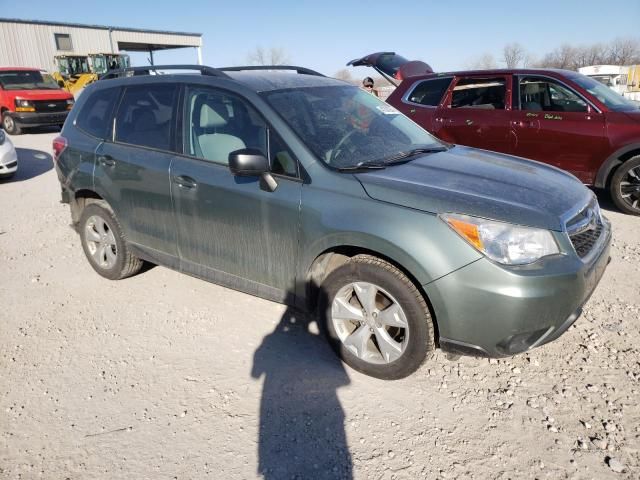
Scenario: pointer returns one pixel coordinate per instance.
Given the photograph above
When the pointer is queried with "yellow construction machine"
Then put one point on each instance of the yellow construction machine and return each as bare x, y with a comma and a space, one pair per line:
74, 72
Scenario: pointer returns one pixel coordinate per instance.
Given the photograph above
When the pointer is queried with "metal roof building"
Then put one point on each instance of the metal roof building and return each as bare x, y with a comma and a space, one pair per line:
33, 43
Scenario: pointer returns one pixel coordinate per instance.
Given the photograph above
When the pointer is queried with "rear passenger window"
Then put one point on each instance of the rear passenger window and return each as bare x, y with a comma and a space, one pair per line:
484, 93
430, 92
145, 116
219, 123
97, 112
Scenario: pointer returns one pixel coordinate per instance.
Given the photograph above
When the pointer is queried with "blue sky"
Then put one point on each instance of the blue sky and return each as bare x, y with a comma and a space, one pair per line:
325, 34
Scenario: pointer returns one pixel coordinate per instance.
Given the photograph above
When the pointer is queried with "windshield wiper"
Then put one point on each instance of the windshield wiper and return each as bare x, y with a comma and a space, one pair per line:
402, 156
362, 166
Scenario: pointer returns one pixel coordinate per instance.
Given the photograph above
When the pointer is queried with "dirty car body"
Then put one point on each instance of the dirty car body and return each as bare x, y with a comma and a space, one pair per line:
275, 183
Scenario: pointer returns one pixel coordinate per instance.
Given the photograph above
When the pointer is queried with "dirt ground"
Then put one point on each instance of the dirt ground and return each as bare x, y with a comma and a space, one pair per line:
165, 376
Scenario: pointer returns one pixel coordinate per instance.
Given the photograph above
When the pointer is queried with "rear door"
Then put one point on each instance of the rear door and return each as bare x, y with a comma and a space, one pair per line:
231, 228
132, 168
477, 113
554, 124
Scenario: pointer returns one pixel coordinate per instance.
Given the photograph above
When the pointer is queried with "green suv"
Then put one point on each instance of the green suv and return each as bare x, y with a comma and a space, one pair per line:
302, 189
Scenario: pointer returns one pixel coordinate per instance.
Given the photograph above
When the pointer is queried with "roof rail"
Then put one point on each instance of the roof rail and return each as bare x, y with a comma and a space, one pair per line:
146, 70
300, 70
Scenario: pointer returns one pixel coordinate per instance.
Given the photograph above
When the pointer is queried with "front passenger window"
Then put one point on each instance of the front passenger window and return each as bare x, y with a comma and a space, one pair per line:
542, 94
219, 123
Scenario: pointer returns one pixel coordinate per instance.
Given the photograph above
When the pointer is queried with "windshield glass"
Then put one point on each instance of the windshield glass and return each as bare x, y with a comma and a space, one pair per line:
27, 80
346, 127
610, 98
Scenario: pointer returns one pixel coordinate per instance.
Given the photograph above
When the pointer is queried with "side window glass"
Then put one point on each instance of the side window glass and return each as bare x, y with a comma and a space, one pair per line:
282, 160
97, 112
219, 123
540, 94
484, 93
430, 92
145, 116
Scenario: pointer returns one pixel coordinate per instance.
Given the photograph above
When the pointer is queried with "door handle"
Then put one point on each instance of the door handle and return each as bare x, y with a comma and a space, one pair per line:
523, 124
106, 161
185, 182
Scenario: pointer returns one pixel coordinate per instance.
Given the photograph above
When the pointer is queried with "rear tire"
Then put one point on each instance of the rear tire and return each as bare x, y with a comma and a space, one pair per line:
376, 319
104, 244
9, 124
625, 186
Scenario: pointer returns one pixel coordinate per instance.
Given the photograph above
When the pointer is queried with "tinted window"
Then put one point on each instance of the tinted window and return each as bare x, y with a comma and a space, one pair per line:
485, 93
96, 113
542, 94
219, 123
430, 92
145, 116
27, 80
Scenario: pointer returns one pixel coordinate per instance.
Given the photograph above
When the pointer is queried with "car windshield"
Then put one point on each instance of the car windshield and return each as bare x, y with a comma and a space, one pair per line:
27, 80
346, 127
608, 97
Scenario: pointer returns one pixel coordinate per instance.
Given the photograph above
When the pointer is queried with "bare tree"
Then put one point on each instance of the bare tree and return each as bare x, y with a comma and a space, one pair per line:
486, 62
272, 56
513, 55
624, 51
345, 75
563, 57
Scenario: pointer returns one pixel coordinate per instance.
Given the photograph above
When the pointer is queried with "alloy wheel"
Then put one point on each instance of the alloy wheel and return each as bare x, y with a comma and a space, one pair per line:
101, 242
370, 323
630, 188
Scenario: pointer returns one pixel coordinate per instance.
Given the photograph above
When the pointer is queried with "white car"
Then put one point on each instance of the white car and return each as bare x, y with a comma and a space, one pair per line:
8, 157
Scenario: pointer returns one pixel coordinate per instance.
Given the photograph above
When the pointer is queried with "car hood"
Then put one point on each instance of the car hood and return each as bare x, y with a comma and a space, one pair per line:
42, 94
480, 183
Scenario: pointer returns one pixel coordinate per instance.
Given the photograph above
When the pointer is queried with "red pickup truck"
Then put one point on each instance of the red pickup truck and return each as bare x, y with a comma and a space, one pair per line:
31, 98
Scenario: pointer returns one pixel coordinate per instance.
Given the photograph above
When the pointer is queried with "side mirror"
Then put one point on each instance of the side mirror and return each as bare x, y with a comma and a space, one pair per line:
248, 162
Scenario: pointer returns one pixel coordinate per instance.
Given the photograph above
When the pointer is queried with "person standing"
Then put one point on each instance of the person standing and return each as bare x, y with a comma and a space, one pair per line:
367, 86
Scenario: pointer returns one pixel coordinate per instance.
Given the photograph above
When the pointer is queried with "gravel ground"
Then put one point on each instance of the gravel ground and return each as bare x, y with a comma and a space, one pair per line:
168, 377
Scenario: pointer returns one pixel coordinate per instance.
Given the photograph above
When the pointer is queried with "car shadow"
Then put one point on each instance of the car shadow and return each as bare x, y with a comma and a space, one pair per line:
31, 163
302, 432
605, 201
45, 129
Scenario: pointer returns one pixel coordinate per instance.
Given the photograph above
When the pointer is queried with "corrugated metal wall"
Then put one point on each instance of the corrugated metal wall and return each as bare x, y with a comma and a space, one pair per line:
33, 45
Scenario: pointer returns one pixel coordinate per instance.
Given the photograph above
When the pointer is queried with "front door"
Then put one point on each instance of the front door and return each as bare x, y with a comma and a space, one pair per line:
553, 124
229, 228
132, 167
476, 113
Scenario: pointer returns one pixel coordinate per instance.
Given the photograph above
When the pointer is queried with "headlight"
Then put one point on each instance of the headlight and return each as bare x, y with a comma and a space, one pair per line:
2, 137
503, 242
70, 102
24, 105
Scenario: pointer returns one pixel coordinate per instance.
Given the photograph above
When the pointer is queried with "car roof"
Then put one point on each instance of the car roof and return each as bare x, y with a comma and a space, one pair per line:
268, 80
502, 71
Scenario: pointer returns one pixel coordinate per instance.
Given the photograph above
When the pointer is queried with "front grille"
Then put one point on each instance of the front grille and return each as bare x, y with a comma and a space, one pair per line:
585, 229
50, 105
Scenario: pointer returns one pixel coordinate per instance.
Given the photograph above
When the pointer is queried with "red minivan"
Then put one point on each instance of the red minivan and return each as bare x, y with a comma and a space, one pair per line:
31, 98
557, 117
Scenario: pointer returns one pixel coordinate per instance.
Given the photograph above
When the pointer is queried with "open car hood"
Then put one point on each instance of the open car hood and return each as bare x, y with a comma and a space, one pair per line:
392, 66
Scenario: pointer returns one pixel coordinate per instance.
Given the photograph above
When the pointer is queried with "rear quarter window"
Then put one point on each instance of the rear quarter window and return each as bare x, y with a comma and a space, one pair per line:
95, 115
430, 92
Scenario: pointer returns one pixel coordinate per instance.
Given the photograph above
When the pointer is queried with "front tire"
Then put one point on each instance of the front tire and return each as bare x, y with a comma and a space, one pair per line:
625, 186
376, 319
9, 124
104, 245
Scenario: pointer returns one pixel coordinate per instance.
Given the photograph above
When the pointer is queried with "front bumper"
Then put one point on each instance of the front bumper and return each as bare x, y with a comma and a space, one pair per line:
485, 309
39, 119
8, 160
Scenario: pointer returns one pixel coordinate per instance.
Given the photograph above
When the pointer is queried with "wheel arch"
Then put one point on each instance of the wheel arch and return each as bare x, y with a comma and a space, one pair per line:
81, 199
617, 158
333, 257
